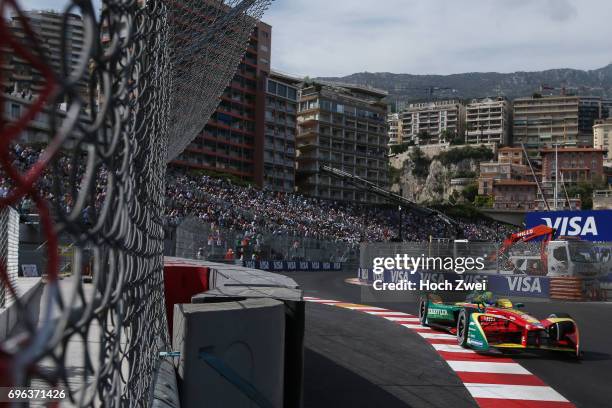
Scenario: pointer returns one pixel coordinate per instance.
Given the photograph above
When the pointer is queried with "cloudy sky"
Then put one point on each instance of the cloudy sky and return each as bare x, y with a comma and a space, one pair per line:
340, 37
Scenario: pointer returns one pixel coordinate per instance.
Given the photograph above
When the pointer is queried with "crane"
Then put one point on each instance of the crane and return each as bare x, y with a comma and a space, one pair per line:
540, 231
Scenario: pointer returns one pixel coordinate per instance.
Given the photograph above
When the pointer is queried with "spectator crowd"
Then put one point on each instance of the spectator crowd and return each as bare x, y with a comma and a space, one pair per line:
244, 208
252, 211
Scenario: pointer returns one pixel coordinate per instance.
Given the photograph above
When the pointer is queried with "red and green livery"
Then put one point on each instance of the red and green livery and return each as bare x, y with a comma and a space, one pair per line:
482, 323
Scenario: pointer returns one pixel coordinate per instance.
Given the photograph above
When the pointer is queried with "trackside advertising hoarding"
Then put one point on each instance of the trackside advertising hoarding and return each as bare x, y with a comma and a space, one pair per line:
586, 225
293, 265
504, 285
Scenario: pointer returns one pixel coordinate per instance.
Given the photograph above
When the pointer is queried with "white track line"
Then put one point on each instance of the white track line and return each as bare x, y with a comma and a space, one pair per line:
389, 313
415, 326
427, 335
453, 348
487, 367
366, 308
515, 392
399, 319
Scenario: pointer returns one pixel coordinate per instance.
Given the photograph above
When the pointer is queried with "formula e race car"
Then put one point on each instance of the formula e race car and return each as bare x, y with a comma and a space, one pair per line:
482, 323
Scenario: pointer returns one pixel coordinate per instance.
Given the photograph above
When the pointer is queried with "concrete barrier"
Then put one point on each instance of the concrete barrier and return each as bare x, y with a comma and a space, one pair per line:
165, 388
29, 291
235, 283
232, 353
232, 282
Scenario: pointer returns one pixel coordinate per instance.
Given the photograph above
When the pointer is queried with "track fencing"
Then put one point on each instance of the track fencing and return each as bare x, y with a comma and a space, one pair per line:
9, 242
153, 72
196, 239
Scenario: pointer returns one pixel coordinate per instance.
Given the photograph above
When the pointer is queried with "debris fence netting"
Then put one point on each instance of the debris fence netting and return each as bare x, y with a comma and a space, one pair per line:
142, 84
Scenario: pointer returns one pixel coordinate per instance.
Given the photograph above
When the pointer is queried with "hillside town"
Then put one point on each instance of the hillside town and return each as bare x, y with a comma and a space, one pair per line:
276, 131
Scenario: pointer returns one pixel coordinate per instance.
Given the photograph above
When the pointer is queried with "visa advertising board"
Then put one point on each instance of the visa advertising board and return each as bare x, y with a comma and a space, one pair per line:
587, 225
501, 285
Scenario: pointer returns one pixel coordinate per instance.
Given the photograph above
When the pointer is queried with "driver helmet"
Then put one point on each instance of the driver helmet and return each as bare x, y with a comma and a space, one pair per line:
485, 297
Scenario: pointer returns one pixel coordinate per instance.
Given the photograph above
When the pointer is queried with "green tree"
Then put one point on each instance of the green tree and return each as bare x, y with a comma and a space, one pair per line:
424, 137
585, 190
485, 201
420, 161
470, 192
454, 156
401, 148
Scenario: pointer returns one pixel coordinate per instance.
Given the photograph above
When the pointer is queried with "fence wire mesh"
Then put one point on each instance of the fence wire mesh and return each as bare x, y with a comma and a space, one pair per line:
142, 83
9, 227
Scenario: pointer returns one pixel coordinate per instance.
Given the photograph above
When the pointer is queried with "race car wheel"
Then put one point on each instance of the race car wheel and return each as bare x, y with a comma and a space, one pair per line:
462, 328
423, 308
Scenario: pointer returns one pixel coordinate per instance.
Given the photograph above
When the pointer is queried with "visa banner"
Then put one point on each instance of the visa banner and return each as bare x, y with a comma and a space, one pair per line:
501, 285
587, 225
293, 265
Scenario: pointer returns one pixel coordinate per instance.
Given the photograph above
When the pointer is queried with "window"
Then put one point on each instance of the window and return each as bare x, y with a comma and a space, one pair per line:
282, 90
292, 93
326, 105
15, 110
271, 86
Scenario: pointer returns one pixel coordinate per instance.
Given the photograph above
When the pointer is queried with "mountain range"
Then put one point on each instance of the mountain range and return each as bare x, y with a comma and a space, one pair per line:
412, 88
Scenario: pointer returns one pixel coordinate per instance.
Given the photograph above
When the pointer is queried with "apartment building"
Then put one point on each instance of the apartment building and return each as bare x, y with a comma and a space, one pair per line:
514, 195
575, 164
488, 121
343, 126
544, 121
49, 27
280, 132
232, 141
433, 122
508, 166
513, 155
602, 139
590, 110
394, 126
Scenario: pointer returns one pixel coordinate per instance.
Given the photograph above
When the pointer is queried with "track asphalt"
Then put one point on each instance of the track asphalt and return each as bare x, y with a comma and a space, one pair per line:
357, 360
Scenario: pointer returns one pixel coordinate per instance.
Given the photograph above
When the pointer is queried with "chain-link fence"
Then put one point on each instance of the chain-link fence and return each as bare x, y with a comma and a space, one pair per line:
196, 239
139, 87
9, 241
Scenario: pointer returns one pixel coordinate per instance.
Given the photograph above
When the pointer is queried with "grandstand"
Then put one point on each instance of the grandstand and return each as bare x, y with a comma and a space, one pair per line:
219, 202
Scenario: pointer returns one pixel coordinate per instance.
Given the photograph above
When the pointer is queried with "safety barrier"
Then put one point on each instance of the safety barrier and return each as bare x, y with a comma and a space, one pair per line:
182, 281
293, 265
566, 288
230, 322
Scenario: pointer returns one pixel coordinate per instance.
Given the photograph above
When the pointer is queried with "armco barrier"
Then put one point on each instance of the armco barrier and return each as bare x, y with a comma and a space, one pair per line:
566, 288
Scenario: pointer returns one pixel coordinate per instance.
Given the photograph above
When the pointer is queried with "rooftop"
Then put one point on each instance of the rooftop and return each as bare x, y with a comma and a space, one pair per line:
573, 150
514, 183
